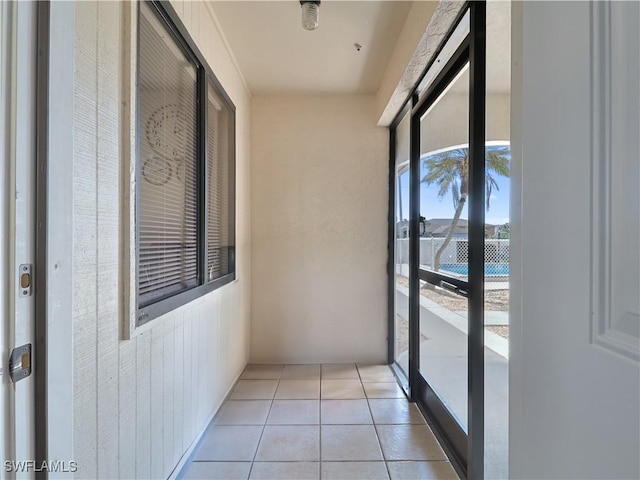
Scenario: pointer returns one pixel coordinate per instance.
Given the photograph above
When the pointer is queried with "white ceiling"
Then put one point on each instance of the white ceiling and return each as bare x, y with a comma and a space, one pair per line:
276, 55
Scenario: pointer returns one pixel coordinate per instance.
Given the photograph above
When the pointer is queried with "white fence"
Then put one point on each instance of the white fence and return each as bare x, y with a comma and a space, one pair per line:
456, 255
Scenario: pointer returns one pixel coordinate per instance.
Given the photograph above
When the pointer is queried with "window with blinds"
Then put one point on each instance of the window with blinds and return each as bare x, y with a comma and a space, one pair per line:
186, 163
220, 145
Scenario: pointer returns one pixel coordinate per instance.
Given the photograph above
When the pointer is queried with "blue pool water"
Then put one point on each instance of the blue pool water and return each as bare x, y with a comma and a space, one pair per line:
490, 269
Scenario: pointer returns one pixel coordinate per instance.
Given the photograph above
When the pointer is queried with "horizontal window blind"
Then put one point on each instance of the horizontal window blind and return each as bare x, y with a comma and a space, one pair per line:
221, 237
168, 196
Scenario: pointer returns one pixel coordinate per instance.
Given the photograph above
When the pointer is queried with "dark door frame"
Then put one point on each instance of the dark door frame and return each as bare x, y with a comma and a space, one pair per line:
40, 275
466, 451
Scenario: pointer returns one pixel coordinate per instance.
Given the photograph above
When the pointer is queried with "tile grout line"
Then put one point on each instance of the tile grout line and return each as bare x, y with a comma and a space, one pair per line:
375, 427
320, 426
265, 423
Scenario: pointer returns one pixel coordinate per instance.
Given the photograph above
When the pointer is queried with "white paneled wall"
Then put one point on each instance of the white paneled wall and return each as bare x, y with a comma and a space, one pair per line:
139, 404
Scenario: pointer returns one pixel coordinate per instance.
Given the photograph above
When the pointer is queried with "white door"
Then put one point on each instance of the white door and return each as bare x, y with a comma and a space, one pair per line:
17, 222
575, 319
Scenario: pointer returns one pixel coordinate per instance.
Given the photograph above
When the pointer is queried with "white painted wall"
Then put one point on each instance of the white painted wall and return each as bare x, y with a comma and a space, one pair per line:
319, 170
139, 404
574, 396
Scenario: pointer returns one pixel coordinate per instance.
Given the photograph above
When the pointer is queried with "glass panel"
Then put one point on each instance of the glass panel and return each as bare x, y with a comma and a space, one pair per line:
444, 181
167, 193
443, 347
220, 139
496, 314
402, 244
444, 169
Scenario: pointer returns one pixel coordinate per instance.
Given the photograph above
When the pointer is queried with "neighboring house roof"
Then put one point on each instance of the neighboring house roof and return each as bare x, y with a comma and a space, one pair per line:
444, 229
446, 222
439, 227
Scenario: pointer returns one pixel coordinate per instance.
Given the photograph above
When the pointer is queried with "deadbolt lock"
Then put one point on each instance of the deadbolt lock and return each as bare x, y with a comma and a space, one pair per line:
25, 280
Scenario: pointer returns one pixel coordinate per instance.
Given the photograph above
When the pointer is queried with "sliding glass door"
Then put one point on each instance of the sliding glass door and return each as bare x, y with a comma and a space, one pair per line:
441, 189
400, 274
447, 246
444, 245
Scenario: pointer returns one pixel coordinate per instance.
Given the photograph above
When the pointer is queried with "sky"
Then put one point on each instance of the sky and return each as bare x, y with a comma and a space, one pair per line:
432, 206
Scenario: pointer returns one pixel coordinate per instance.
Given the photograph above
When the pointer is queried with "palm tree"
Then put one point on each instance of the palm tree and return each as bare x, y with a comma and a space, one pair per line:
449, 170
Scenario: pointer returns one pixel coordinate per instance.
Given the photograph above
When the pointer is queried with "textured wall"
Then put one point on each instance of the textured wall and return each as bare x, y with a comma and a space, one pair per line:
139, 404
425, 27
319, 170
410, 36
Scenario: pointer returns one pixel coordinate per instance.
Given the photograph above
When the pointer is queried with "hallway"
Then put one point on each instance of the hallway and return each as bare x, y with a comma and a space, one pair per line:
335, 421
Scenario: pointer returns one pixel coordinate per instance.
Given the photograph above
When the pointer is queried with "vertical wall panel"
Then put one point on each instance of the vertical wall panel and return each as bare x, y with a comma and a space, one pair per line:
219, 355
107, 239
178, 379
200, 384
187, 424
167, 392
204, 21
143, 406
84, 247
157, 401
196, 340
194, 25
179, 6
214, 331
186, 15
127, 410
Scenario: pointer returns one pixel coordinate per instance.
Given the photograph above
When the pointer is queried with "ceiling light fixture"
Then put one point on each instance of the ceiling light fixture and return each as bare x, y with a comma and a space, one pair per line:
310, 11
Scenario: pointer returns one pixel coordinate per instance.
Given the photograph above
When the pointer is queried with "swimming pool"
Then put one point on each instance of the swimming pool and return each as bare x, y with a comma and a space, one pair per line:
490, 269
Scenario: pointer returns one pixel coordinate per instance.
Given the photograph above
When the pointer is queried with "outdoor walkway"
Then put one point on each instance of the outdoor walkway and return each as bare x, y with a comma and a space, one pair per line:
318, 422
443, 361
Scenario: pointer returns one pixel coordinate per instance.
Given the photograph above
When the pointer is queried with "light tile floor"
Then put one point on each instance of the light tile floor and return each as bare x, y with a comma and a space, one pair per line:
332, 421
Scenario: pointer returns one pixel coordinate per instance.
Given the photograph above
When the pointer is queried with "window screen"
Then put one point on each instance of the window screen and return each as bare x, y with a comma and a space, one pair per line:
220, 143
168, 197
